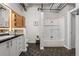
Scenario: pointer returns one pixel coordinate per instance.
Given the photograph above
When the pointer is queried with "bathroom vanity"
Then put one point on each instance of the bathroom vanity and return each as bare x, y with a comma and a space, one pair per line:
12, 45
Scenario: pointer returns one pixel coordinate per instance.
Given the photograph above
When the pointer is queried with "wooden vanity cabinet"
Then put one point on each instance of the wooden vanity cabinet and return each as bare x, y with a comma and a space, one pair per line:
17, 21
13, 47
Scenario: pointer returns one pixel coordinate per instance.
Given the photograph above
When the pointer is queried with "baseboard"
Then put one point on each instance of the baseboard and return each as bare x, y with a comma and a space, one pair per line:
41, 48
67, 47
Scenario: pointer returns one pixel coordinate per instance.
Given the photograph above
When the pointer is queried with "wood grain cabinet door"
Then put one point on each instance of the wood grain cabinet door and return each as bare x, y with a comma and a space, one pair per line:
23, 22
19, 21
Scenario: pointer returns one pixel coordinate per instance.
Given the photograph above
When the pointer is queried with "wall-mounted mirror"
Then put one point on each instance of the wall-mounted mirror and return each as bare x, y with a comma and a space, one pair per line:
4, 17
9, 19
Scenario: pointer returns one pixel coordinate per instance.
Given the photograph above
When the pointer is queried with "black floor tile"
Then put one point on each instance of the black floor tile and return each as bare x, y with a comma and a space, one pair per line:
34, 50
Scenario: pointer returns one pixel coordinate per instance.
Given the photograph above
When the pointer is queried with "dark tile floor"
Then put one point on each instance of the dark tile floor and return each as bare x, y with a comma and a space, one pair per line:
34, 50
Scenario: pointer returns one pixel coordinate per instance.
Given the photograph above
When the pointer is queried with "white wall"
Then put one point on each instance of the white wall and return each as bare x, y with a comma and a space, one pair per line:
57, 33
4, 18
59, 19
68, 27
77, 32
77, 35
64, 14
64, 24
32, 15
77, 5
73, 30
50, 15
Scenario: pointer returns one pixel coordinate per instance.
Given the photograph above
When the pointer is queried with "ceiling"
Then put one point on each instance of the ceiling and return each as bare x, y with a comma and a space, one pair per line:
53, 6
45, 6
2, 8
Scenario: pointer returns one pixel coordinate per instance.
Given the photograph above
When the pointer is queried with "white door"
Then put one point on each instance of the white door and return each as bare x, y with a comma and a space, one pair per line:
13, 47
19, 45
4, 49
23, 43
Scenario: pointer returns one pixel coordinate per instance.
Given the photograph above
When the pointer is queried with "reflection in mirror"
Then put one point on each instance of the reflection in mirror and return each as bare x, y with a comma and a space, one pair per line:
4, 17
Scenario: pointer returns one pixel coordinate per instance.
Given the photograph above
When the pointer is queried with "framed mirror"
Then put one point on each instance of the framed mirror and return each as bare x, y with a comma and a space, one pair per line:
4, 17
